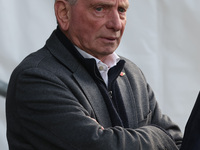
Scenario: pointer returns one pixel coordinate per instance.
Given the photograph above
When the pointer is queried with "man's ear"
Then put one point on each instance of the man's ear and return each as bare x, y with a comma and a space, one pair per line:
62, 12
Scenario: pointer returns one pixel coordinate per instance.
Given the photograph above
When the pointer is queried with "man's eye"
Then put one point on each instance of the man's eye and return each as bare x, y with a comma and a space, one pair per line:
122, 10
99, 9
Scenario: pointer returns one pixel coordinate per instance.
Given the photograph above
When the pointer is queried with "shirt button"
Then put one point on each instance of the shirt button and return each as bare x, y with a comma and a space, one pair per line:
101, 68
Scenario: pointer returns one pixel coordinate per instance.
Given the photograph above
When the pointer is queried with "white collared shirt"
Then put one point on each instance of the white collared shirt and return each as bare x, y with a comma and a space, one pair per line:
109, 62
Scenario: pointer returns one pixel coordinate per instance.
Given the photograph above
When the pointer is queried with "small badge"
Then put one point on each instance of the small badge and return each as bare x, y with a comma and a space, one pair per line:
122, 74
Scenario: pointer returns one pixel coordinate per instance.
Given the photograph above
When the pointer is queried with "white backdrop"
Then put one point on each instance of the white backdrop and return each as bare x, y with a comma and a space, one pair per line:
162, 37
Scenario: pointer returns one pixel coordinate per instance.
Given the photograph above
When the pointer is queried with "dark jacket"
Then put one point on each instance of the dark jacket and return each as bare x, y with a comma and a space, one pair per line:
51, 99
191, 139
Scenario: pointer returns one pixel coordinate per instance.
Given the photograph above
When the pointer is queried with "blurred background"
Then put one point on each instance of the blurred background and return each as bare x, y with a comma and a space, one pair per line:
162, 37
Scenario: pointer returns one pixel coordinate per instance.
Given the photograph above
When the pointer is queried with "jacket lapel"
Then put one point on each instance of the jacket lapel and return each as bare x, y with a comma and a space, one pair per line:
84, 80
128, 99
94, 96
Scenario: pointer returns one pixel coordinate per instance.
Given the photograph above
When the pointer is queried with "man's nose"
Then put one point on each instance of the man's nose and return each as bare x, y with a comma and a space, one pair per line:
114, 21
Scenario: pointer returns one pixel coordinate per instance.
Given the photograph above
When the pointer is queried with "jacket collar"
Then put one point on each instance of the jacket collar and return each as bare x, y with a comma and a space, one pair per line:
61, 52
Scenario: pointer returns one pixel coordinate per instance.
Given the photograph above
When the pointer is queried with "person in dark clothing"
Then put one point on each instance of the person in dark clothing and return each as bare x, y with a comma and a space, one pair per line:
76, 93
191, 138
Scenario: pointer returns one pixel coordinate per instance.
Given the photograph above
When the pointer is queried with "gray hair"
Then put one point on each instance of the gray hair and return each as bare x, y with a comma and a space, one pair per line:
72, 2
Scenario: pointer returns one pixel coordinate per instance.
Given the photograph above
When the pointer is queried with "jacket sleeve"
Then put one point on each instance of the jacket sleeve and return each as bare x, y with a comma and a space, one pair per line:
163, 122
148, 111
51, 117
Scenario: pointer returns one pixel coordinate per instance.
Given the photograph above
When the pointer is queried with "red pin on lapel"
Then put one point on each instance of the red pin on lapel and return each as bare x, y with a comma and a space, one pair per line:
122, 74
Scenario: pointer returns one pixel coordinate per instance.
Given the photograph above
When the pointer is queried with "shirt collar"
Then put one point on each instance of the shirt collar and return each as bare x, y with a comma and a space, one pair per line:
110, 61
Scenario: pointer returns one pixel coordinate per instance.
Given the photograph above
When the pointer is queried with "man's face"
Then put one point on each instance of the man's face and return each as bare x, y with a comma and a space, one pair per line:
96, 26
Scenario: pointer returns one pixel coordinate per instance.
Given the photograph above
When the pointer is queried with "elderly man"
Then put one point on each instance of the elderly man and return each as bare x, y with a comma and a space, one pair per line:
76, 93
